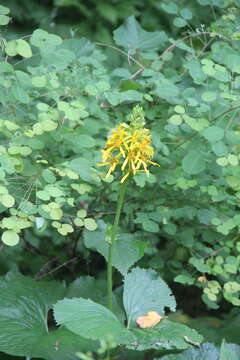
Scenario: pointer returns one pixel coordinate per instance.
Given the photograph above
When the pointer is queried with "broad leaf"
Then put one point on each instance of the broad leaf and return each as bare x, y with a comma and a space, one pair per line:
24, 306
132, 37
95, 289
126, 250
145, 291
91, 320
79, 46
167, 335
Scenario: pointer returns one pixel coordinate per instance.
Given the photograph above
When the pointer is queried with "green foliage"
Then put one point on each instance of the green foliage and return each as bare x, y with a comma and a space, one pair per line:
125, 244
60, 95
25, 305
141, 293
166, 336
144, 291
91, 320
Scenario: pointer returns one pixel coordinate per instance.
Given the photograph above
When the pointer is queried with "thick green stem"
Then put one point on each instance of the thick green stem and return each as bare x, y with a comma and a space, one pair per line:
112, 241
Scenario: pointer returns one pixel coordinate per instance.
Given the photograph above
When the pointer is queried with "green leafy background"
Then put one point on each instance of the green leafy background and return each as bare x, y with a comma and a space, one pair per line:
70, 72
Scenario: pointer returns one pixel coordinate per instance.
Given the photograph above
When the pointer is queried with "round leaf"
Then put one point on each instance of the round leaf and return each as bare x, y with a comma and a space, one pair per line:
23, 48
193, 163
179, 22
43, 195
213, 133
11, 48
10, 238
56, 214
209, 96
7, 200
90, 224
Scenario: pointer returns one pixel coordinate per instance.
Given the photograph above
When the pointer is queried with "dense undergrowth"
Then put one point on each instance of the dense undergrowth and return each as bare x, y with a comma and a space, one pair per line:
71, 72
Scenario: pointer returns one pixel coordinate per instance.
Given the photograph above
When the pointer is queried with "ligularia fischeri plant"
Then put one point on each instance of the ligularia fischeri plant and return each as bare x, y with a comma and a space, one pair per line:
129, 147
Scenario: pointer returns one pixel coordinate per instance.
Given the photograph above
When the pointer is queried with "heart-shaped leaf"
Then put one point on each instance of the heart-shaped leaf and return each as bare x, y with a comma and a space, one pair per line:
145, 291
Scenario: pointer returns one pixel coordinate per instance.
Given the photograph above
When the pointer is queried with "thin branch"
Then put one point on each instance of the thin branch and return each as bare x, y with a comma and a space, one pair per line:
45, 267
213, 120
138, 72
32, 248
122, 52
58, 267
173, 46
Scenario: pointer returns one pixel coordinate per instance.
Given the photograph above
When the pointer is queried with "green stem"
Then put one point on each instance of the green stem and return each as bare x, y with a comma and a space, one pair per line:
112, 241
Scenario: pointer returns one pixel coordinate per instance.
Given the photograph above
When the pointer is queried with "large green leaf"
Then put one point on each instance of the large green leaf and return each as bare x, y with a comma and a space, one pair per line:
126, 250
145, 291
132, 37
167, 335
95, 289
91, 320
24, 307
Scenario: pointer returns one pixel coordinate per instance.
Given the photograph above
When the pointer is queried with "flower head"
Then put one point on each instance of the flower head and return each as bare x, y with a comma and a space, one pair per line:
129, 146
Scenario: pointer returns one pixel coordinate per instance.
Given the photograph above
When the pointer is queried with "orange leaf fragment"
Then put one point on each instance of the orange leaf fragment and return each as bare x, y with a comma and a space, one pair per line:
151, 319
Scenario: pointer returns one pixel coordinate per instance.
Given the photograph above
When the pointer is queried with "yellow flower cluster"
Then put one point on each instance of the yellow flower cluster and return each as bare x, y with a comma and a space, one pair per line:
129, 148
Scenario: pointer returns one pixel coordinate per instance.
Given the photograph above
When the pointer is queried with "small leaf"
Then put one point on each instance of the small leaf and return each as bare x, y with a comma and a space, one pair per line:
43, 195
82, 213
39, 81
209, 96
233, 159
179, 22
56, 214
213, 133
23, 48
10, 238
170, 7
45, 41
186, 13
179, 109
11, 48
90, 224
4, 20
193, 163
222, 161
7, 200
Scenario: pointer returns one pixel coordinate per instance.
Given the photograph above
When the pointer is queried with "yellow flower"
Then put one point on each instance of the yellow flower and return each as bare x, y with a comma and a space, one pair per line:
128, 146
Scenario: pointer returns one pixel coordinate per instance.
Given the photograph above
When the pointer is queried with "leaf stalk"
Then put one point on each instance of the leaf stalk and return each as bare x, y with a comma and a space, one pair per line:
120, 201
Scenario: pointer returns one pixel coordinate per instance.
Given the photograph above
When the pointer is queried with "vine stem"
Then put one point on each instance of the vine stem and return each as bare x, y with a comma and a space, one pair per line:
120, 200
